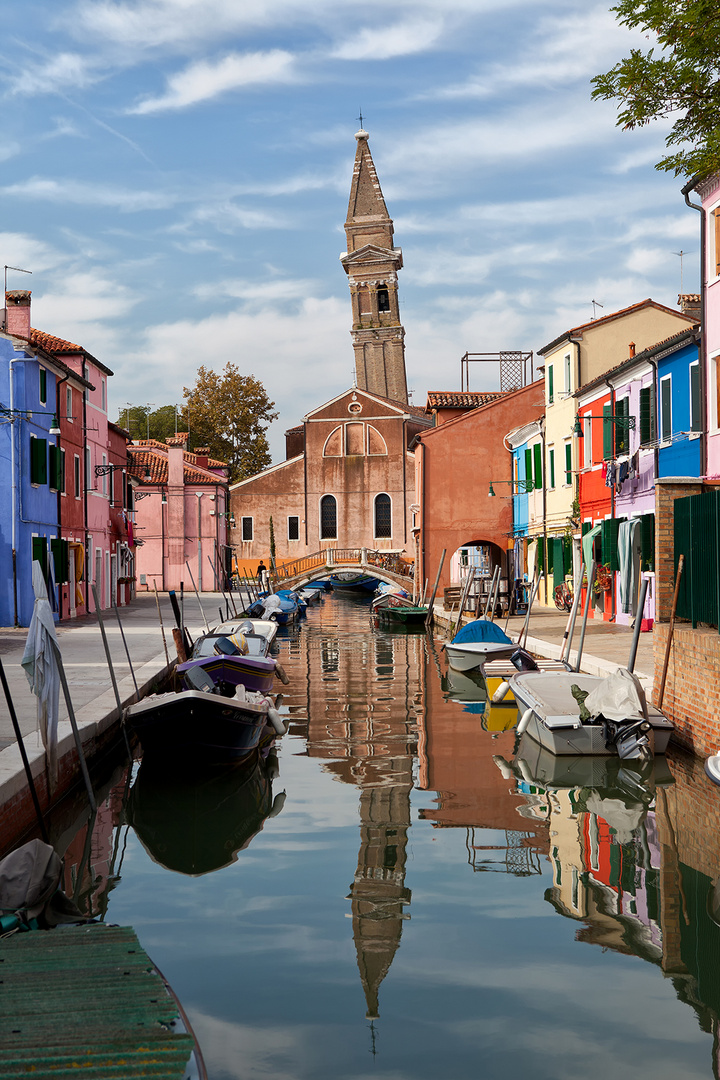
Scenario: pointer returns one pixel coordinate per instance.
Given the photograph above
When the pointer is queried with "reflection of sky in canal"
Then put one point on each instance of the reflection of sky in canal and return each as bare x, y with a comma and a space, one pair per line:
406, 875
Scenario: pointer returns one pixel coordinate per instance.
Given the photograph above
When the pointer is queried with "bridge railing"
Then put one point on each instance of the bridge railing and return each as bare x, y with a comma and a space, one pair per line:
332, 557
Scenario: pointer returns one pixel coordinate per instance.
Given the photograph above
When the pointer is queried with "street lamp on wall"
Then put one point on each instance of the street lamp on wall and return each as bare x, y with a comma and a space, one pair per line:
627, 423
524, 487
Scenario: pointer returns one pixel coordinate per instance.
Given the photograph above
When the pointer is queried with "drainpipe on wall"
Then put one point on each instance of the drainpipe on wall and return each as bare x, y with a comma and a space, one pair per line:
544, 506
612, 491
685, 192
199, 495
58, 384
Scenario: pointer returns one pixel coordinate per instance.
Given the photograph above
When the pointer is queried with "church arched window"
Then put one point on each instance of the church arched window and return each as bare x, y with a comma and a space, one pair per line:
383, 516
383, 297
328, 517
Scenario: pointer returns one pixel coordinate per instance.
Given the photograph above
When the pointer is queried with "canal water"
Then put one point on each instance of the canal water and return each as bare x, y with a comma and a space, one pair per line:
411, 898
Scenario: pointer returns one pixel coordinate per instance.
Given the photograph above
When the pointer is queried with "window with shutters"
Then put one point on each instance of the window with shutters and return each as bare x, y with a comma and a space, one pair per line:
568, 374
537, 458
716, 231
622, 433
647, 415
695, 413
54, 466
666, 408
528, 463
587, 440
551, 466
328, 518
568, 463
383, 516
39, 553
550, 384
76, 477
38, 460
293, 528
68, 404
607, 432
43, 386
247, 528
609, 539
647, 542
59, 549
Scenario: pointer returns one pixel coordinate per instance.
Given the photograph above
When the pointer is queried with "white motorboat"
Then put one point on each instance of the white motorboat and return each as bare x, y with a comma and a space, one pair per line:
477, 643
620, 722
258, 633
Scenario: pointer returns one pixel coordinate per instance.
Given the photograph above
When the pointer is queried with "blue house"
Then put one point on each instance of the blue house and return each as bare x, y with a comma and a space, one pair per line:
31, 465
679, 420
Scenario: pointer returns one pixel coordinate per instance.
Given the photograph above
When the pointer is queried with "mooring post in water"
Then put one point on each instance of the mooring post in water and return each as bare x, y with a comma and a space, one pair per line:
127, 651
671, 630
73, 723
429, 616
113, 680
463, 600
179, 620
522, 640
162, 625
202, 611
570, 627
586, 612
638, 625
23, 754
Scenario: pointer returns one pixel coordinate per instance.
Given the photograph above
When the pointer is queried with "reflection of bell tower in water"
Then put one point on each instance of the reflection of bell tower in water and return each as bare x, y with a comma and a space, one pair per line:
370, 741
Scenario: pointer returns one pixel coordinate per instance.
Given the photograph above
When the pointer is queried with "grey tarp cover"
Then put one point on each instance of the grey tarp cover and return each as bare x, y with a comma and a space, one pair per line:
29, 879
618, 697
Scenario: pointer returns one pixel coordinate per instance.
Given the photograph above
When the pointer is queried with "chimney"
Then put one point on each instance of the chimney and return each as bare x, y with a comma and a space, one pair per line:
689, 304
631, 349
202, 456
17, 312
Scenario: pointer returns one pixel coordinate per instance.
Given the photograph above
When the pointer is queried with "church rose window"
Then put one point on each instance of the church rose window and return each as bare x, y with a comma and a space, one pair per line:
328, 518
383, 516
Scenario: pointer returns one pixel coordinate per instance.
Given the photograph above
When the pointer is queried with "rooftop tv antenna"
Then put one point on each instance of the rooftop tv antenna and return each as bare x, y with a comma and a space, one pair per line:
595, 304
681, 253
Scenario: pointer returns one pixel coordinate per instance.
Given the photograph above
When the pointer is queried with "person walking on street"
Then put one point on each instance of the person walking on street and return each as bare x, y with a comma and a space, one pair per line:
262, 575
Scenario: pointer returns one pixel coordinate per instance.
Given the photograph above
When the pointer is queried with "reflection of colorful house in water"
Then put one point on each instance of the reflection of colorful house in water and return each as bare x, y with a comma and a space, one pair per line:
643, 881
372, 744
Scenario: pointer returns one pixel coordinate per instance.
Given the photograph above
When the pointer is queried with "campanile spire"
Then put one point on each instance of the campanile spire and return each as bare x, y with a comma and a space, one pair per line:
371, 263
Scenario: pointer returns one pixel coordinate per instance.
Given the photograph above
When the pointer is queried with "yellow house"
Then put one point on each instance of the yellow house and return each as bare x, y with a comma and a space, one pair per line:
571, 360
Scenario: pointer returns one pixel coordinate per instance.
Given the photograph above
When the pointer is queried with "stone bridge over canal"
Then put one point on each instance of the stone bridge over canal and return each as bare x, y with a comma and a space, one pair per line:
385, 566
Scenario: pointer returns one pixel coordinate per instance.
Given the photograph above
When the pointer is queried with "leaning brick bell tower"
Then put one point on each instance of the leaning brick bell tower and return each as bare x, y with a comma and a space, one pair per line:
371, 263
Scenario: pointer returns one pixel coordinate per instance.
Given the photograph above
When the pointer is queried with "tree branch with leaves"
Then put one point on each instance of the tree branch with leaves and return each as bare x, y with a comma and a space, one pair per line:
678, 78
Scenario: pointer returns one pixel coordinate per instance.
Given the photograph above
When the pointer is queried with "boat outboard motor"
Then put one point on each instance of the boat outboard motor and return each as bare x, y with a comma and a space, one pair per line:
631, 738
523, 661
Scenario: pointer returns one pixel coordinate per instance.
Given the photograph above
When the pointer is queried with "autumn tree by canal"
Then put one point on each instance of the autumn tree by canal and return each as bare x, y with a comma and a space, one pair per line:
230, 413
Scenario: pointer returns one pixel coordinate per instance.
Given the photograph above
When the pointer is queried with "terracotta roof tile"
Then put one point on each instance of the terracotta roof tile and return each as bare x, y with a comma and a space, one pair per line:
466, 399
151, 456
58, 346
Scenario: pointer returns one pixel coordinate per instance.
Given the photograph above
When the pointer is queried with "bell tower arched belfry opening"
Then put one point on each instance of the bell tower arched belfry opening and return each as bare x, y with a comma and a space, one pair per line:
371, 263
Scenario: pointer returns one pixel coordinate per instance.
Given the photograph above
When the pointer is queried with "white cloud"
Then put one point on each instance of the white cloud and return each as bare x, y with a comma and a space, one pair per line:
80, 304
385, 42
207, 79
49, 75
19, 249
259, 291
88, 194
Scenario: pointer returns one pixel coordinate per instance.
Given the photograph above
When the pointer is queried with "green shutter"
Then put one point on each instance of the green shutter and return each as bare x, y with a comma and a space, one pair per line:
540, 554
550, 555
609, 537
43, 386
551, 388
537, 454
528, 463
60, 554
56, 477
568, 463
39, 553
607, 433
622, 409
647, 415
647, 542
38, 461
551, 464
558, 544
666, 408
567, 554
586, 527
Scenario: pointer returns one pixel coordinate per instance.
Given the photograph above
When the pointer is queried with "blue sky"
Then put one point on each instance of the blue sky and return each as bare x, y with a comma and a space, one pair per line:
175, 173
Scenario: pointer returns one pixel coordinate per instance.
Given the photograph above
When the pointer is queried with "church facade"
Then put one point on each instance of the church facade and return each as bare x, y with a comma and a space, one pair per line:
348, 480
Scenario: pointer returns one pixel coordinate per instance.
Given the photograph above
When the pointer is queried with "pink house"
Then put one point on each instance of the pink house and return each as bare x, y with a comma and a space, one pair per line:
180, 516
709, 193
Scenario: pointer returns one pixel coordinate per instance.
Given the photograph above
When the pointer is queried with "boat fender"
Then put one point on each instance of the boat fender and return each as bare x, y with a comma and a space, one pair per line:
278, 803
501, 693
280, 672
276, 720
504, 767
524, 721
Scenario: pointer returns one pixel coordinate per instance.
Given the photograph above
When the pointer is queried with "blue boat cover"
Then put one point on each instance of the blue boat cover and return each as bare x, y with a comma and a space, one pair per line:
481, 630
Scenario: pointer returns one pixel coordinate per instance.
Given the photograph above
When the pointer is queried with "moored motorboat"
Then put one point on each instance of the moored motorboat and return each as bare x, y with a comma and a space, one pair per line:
481, 640
572, 713
357, 582
228, 663
204, 722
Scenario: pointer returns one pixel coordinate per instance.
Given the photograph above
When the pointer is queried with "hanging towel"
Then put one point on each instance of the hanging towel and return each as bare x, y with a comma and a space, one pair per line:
626, 539
610, 475
587, 544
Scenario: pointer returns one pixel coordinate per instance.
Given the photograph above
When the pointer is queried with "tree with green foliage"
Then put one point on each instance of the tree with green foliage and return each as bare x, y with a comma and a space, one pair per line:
230, 414
143, 424
677, 78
